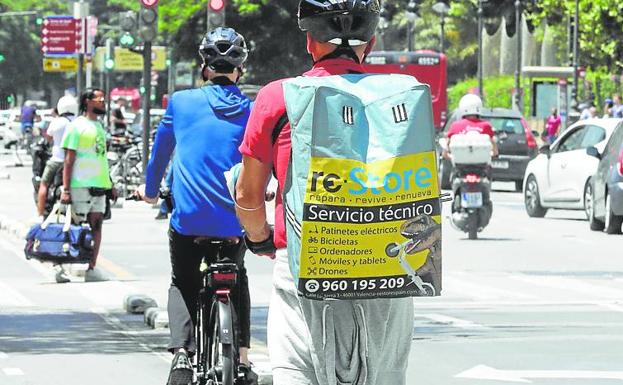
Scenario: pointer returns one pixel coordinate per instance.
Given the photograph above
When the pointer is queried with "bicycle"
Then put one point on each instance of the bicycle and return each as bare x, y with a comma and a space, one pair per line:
216, 360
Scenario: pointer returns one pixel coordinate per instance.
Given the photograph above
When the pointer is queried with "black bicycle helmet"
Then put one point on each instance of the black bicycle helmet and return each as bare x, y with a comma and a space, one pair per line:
343, 22
223, 50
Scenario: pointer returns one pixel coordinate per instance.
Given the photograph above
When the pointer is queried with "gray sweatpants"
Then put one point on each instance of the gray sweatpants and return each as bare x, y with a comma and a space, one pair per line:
336, 342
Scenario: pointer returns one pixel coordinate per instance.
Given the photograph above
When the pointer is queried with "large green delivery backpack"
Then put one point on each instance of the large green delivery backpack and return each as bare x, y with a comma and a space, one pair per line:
361, 197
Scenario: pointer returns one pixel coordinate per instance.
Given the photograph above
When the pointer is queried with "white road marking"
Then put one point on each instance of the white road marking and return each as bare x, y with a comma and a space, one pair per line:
466, 287
13, 371
118, 325
613, 306
453, 322
483, 372
569, 284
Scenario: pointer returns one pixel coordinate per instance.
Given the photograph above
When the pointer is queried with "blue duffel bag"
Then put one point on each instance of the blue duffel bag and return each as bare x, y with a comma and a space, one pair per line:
58, 243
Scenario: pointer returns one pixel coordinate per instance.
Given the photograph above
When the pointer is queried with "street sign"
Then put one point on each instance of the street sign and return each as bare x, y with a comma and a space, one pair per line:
60, 64
128, 61
58, 35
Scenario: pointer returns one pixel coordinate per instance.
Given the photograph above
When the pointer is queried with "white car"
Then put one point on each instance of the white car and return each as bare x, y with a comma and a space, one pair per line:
558, 178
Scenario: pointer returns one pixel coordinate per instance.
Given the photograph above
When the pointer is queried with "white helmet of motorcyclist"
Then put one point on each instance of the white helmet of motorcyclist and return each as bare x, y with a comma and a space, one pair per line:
67, 105
470, 104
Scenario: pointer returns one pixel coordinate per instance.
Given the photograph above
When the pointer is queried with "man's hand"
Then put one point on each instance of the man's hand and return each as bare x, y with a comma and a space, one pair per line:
265, 247
65, 197
140, 193
115, 194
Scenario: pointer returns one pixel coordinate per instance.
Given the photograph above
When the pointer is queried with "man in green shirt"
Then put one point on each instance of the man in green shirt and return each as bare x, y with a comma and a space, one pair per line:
85, 175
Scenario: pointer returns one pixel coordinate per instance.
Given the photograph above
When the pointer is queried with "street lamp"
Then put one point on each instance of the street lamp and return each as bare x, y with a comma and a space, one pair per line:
480, 28
518, 30
574, 89
411, 16
442, 10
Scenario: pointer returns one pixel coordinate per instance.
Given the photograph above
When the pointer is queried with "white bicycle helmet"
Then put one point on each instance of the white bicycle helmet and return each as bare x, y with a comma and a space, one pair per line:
67, 105
470, 104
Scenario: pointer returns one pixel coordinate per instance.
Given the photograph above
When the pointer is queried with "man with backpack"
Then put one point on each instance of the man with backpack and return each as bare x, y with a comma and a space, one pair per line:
324, 341
204, 127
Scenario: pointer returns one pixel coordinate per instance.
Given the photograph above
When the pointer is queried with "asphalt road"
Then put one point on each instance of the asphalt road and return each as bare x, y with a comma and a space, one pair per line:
532, 300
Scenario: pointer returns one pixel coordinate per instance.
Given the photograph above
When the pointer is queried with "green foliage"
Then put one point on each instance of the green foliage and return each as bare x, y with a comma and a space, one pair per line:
497, 91
601, 29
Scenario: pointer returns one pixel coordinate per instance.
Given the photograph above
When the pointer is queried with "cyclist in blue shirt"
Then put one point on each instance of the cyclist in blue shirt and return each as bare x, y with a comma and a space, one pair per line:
205, 127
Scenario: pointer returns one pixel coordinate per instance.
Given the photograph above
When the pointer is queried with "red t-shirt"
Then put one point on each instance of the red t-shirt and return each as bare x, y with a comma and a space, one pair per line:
470, 124
269, 106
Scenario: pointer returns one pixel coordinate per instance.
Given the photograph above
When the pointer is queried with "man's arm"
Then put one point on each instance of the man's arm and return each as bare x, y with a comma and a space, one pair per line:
163, 147
250, 199
68, 167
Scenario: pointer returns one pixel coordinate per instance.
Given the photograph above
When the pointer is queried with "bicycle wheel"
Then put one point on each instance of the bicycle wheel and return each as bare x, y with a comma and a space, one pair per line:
201, 330
220, 353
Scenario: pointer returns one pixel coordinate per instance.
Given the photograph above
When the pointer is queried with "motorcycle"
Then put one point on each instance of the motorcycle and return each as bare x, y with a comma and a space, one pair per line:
471, 182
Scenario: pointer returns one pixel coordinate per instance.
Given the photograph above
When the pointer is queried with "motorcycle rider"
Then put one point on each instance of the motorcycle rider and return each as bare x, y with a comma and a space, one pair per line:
67, 108
470, 107
470, 221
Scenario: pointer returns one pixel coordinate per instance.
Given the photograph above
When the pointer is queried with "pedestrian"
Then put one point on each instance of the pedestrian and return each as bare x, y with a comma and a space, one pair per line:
67, 109
608, 109
552, 126
86, 177
28, 117
119, 125
617, 107
204, 126
585, 110
359, 347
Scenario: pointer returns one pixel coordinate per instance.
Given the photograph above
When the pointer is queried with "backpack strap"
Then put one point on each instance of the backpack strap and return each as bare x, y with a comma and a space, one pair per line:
281, 123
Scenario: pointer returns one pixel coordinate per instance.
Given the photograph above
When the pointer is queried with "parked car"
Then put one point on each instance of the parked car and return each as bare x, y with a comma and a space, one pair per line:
605, 208
516, 145
559, 177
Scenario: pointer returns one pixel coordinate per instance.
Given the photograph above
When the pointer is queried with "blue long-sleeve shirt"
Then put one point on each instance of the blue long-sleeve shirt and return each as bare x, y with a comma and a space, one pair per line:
204, 126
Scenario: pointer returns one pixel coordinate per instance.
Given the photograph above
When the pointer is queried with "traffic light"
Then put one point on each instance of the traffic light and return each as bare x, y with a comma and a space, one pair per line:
216, 16
128, 24
109, 59
39, 20
10, 99
148, 23
127, 40
2, 58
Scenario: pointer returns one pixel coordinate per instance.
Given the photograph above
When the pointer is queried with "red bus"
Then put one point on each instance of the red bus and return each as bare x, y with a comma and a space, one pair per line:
428, 67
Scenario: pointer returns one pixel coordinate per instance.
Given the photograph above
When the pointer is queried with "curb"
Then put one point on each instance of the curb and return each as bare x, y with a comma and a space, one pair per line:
138, 303
157, 318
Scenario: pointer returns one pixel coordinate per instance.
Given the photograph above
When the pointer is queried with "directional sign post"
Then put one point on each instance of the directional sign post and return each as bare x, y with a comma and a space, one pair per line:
58, 35
60, 64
